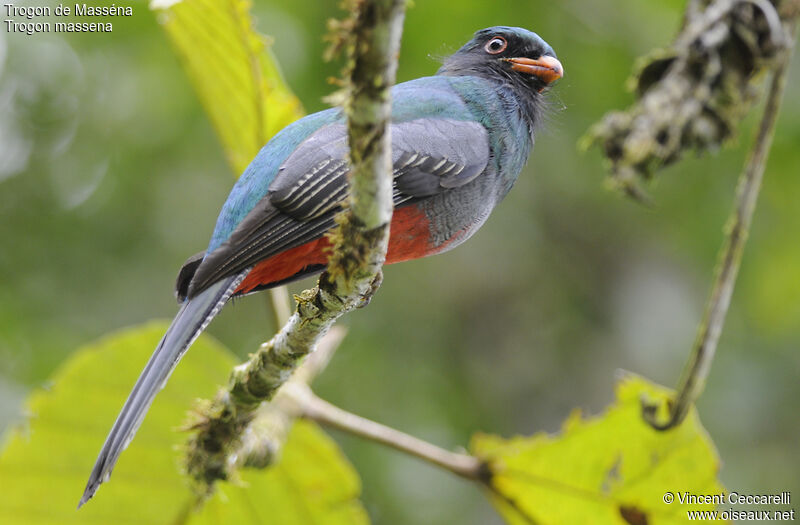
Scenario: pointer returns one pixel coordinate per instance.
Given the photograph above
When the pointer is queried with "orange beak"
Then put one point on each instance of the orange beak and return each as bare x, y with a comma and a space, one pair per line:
546, 68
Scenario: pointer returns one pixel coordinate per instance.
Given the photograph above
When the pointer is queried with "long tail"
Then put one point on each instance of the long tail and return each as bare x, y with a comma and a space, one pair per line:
192, 319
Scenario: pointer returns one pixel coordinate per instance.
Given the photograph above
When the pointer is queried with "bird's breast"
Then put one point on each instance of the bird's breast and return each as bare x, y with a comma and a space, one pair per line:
410, 235
442, 222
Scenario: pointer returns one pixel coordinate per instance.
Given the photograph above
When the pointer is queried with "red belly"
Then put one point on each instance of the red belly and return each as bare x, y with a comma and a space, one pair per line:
408, 239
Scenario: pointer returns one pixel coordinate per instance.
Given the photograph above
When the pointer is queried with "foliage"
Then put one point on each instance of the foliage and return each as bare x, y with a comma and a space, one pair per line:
233, 72
44, 463
612, 469
603, 468
311, 484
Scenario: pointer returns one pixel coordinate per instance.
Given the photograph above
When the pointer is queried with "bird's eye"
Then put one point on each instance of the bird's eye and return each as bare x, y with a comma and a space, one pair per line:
496, 45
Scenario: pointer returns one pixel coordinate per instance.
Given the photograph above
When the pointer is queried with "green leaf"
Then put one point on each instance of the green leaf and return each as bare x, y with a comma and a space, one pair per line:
232, 70
611, 469
298, 489
45, 463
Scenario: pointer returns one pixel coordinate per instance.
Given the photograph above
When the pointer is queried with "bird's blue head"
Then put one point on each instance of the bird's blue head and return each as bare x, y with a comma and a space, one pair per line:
510, 54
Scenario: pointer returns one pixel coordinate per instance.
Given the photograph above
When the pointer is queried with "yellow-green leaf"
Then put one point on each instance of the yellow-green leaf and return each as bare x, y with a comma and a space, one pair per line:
44, 464
297, 490
611, 469
232, 70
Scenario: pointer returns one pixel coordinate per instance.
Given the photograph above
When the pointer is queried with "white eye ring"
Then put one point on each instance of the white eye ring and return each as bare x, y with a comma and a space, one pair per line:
496, 45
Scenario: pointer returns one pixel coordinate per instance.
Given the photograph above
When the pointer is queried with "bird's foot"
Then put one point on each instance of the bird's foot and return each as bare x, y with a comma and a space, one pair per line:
373, 287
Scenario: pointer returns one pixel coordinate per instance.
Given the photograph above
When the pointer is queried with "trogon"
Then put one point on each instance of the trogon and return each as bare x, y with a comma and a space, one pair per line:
459, 140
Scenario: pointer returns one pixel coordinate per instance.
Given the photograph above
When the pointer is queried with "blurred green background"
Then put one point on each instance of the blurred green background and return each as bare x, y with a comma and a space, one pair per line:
111, 175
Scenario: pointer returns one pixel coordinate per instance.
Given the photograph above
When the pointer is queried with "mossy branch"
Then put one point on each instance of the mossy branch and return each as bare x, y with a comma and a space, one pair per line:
694, 94
264, 438
359, 248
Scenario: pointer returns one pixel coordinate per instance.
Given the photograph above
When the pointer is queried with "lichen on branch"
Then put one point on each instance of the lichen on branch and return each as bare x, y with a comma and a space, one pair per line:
694, 94
359, 247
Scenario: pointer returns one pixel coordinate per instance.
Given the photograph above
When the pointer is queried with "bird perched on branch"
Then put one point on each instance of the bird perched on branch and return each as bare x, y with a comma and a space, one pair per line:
459, 140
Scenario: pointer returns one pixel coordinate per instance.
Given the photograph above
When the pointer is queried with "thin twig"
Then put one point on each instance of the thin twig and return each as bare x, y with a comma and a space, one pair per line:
696, 371
316, 409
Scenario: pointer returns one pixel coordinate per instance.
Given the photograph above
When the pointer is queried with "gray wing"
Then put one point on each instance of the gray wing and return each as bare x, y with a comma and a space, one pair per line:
428, 156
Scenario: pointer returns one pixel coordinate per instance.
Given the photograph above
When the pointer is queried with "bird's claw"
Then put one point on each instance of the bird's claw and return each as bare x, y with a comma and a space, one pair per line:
373, 287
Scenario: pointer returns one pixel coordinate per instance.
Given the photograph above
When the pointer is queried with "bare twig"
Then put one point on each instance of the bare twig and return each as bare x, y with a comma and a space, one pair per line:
697, 369
312, 407
359, 248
